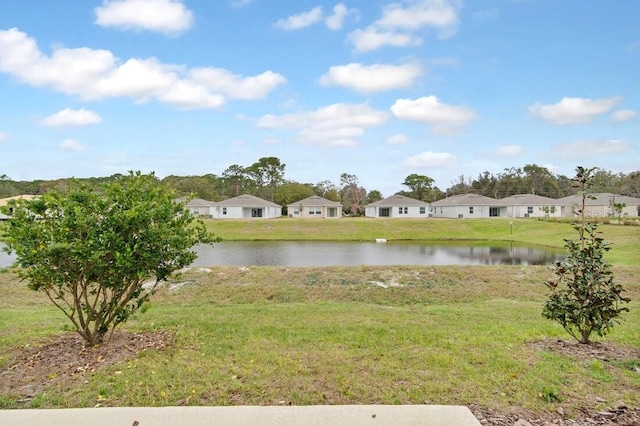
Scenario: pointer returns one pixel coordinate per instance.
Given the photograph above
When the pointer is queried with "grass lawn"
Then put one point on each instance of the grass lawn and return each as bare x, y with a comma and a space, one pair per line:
349, 335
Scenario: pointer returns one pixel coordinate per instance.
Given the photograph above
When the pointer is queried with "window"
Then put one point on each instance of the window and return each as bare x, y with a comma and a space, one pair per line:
406, 210
494, 211
399, 210
471, 210
196, 212
296, 211
256, 212
529, 210
383, 212
315, 210
224, 210
423, 210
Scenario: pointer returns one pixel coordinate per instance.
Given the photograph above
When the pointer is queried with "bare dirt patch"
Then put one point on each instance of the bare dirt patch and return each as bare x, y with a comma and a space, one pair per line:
65, 359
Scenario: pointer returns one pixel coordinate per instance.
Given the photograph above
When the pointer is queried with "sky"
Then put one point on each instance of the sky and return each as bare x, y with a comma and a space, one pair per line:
380, 89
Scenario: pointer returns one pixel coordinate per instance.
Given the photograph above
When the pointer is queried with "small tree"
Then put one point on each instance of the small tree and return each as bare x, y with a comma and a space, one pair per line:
91, 251
584, 298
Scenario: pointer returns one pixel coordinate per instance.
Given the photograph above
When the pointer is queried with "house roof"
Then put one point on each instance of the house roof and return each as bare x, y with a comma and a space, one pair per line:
196, 202
530, 200
398, 200
467, 200
601, 199
246, 200
5, 201
315, 201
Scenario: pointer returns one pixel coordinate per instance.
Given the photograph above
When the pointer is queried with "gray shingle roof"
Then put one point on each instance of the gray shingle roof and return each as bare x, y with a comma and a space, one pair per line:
601, 199
398, 200
315, 201
246, 201
530, 200
467, 200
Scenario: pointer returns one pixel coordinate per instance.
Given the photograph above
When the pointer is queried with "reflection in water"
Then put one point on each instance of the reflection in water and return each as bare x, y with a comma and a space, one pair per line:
289, 253
278, 253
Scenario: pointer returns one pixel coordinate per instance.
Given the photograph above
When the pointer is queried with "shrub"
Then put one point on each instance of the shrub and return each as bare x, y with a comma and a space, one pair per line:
583, 297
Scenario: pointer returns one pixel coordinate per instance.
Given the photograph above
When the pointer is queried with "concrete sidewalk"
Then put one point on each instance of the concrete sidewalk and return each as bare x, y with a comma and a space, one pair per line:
315, 415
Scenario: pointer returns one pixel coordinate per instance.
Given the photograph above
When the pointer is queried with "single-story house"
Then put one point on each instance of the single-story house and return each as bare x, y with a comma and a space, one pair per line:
398, 206
198, 206
6, 201
468, 206
315, 207
600, 206
531, 205
245, 207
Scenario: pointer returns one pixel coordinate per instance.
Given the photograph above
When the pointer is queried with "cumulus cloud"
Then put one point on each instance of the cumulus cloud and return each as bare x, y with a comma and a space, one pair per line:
335, 21
510, 151
592, 148
71, 145
98, 74
169, 17
397, 139
444, 119
573, 110
301, 20
622, 116
430, 159
373, 78
4, 137
400, 20
69, 117
334, 125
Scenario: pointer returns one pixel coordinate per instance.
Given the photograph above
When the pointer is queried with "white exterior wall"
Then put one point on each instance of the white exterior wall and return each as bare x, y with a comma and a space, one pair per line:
456, 212
218, 212
295, 211
394, 212
523, 211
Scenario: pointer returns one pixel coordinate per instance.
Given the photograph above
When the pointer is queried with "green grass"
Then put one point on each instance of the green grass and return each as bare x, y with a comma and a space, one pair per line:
268, 335
624, 239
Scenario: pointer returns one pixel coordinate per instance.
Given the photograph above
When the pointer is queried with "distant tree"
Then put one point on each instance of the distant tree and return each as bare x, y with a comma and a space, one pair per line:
90, 252
486, 184
234, 177
421, 186
328, 190
461, 186
267, 173
536, 177
583, 296
290, 192
353, 195
374, 195
631, 184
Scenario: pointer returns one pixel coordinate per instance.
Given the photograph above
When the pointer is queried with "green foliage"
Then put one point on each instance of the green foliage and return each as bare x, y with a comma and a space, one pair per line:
91, 251
584, 298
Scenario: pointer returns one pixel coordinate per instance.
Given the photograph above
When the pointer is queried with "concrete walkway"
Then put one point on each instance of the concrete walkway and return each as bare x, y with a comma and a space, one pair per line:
315, 415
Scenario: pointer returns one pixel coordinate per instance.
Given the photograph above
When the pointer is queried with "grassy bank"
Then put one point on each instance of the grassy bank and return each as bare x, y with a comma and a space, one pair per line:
624, 239
349, 335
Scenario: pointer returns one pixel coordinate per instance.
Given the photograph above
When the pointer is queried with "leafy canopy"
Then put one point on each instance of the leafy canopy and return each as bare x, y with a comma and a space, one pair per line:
91, 251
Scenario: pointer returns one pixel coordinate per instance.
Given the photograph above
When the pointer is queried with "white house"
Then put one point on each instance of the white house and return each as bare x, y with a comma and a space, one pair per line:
245, 207
198, 206
398, 206
531, 205
601, 206
315, 207
468, 206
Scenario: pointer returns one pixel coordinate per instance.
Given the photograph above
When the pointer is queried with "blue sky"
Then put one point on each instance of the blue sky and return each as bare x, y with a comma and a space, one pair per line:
379, 89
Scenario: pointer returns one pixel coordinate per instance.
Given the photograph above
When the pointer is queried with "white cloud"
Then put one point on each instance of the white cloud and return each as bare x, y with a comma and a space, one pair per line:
445, 119
622, 115
430, 159
374, 38
165, 16
373, 78
397, 139
334, 22
4, 137
301, 20
334, 125
573, 110
97, 74
592, 148
510, 151
71, 145
69, 117
399, 20
236, 86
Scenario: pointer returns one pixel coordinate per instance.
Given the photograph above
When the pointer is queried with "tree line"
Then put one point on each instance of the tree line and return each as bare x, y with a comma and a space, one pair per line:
266, 179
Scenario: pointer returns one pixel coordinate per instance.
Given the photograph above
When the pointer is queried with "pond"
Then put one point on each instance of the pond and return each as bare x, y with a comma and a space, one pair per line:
306, 253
